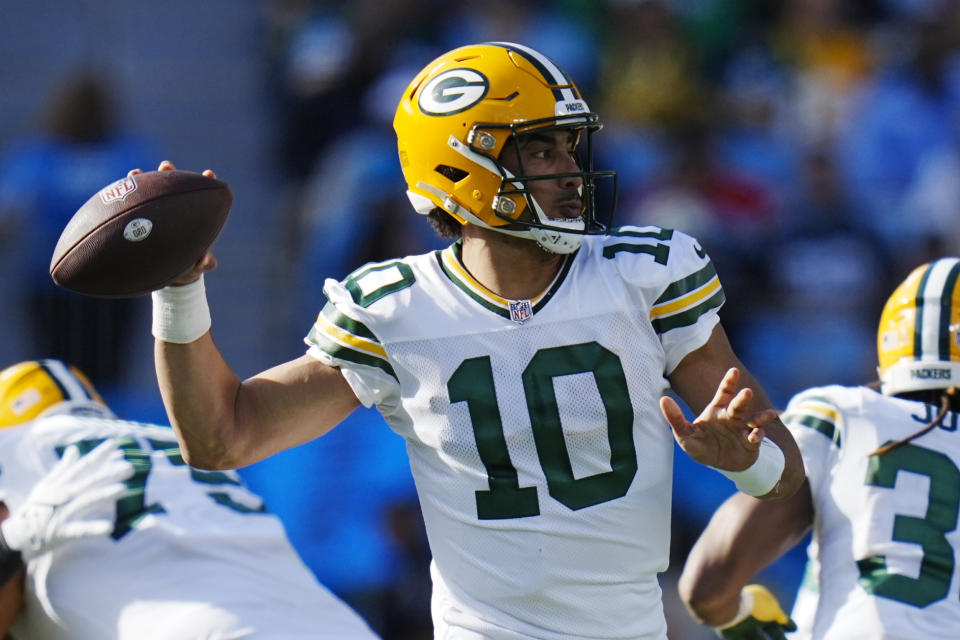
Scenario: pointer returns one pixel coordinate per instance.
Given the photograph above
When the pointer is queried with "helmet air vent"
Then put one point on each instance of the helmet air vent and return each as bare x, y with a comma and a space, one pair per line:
451, 173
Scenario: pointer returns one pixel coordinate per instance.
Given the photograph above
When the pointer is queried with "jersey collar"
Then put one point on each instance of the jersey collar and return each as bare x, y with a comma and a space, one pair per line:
519, 311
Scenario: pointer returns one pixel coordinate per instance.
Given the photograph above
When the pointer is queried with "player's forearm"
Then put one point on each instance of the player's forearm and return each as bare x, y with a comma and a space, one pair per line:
715, 611
716, 570
744, 536
199, 392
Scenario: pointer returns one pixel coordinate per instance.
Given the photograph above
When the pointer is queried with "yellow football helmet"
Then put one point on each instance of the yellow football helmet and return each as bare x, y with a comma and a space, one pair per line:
918, 341
34, 388
455, 118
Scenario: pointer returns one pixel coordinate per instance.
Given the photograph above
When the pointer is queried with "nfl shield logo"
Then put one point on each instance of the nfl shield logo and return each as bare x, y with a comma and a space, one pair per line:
520, 310
118, 190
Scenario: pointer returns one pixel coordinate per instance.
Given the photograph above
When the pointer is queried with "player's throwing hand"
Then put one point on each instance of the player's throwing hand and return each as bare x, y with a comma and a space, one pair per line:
723, 435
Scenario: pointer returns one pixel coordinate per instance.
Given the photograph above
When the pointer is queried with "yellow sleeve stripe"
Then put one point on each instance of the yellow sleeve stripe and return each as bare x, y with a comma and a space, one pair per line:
819, 409
335, 333
687, 301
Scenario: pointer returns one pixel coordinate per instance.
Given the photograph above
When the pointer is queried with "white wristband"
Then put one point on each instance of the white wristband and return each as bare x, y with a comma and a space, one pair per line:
181, 314
763, 475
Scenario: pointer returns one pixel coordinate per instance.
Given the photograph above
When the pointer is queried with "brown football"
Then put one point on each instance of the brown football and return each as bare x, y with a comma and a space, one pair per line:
139, 233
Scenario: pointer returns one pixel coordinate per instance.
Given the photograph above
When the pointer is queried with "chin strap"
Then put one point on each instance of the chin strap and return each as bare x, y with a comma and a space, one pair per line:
557, 241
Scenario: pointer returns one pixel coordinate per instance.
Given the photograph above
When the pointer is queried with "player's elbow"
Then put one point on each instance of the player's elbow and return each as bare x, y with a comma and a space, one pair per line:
209, 449
707, 598
208, 458
693, 596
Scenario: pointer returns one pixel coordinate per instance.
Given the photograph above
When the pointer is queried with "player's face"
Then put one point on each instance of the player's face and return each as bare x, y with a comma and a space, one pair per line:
542, 154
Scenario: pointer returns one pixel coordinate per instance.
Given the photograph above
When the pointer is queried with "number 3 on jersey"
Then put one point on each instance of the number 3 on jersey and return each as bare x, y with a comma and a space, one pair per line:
937, 564
473, 383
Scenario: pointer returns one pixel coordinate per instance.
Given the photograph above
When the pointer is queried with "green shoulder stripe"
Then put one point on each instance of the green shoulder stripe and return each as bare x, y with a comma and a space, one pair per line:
342, 352
347, 323
690, 316
684, 286
820, 425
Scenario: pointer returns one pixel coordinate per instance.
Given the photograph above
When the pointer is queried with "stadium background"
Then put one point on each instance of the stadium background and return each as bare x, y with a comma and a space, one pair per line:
811, 145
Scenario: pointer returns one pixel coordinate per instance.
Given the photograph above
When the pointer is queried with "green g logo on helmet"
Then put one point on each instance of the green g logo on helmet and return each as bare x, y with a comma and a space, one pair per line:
453, 91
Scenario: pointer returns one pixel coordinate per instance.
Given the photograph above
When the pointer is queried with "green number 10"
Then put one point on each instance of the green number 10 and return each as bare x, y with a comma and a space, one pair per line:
473, 383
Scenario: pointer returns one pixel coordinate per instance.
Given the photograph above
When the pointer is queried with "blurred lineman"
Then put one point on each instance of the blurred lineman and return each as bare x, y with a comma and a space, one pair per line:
185, 554
882, 493
525, 365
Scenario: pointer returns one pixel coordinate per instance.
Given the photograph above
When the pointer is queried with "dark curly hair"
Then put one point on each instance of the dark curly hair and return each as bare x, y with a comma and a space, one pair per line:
444, 224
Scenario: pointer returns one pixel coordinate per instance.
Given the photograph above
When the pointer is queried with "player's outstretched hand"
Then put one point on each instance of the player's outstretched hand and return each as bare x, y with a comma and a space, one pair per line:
761, 617
207, 261
722, 436
54, 511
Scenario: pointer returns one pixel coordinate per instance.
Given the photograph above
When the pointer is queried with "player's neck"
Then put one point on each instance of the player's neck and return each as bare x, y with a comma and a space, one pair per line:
513, 268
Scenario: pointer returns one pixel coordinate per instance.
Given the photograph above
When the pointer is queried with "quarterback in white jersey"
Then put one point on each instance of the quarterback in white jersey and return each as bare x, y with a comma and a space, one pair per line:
883, 487
526, 366
512, 465
190, 554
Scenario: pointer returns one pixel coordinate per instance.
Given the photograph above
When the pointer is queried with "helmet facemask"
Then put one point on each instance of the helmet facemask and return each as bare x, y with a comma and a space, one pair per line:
525, 216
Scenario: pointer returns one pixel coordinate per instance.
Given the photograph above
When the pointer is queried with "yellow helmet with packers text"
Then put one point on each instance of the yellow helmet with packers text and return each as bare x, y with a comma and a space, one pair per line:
32, 389
918, 341
457, 115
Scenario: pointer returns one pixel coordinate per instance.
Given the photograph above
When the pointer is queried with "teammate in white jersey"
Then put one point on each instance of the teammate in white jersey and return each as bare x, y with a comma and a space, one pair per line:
882, 493
527, 365
185, 554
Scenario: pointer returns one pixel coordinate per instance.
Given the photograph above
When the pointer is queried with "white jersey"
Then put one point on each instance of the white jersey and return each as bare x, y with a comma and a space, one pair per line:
193, 555
541, 458
885, 527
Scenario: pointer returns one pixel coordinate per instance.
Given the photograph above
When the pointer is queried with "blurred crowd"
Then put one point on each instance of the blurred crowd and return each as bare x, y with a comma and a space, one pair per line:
812, 146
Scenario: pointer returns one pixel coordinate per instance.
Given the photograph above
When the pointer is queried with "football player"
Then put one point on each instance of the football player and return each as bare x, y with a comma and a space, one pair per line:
175, 553
527, 365
882, 494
